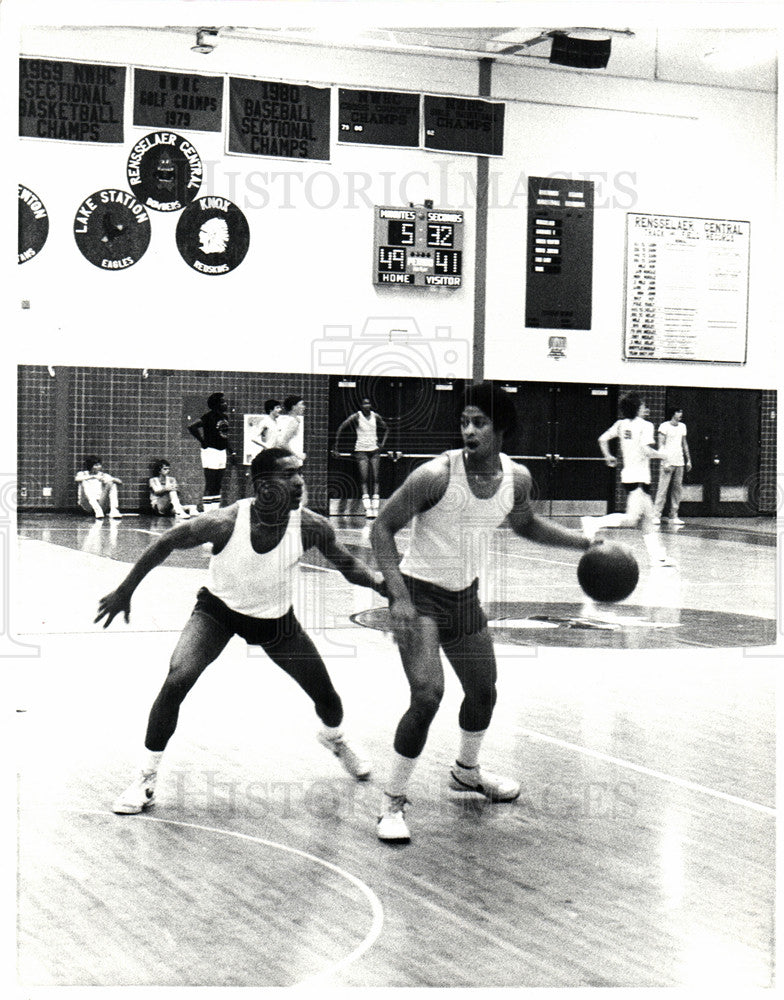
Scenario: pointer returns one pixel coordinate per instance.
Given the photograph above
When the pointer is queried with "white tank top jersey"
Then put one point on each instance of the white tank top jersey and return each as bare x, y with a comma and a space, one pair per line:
259, 585
367, 438
634, 436
450, 542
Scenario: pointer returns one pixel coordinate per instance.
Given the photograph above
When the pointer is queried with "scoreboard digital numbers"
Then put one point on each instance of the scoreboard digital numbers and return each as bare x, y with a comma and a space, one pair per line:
418, 245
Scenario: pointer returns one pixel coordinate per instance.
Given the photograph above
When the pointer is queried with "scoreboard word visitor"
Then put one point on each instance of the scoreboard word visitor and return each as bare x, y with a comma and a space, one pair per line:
418, 246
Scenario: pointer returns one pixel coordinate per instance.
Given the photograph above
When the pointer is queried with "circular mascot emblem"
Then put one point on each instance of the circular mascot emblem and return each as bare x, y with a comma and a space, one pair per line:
213, 235
112, 229
164, 171
33, 224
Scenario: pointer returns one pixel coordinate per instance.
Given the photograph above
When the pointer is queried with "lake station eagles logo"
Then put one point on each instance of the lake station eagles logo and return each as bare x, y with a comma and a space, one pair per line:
112, 229
213, 235
164, 171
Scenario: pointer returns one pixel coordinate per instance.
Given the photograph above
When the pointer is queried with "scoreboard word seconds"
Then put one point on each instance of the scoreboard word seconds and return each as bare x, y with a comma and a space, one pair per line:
418, 245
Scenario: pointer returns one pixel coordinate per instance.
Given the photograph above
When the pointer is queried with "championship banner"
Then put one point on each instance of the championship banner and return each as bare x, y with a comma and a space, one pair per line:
278, 119
462, 125
213, 235
378, 117
112, 229
33, 224
163, 99
164, 171
78, 102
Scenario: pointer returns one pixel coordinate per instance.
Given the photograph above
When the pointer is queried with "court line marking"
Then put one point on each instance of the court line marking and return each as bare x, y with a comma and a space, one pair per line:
377, 910
681, 782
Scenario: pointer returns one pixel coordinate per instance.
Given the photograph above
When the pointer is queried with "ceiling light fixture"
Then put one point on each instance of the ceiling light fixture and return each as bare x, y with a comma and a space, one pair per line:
206, 40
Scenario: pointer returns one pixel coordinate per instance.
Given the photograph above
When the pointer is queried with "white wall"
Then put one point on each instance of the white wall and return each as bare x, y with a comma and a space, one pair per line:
309, 262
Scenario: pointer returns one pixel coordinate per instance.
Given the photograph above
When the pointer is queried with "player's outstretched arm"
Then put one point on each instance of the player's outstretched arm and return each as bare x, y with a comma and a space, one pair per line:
525, 522
206, 528
318, 532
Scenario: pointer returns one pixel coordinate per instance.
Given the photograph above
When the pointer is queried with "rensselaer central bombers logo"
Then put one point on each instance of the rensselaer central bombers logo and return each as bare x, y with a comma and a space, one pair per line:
213, 235
164, 171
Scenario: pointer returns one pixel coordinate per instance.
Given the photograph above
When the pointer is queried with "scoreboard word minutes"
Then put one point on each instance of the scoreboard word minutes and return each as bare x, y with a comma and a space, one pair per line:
418, 245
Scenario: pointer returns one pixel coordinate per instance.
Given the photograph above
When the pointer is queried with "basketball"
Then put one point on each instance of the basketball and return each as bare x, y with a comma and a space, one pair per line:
608, 572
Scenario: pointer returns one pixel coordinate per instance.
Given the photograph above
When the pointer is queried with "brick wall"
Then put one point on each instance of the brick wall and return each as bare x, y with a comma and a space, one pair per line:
130, 418
768, 499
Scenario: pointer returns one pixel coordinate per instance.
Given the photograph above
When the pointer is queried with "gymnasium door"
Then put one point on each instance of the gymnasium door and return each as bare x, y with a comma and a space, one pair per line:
724, 440
422, 414
558, 425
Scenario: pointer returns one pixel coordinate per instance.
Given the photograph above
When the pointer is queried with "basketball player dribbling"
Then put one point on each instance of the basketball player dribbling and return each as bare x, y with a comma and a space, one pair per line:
452, 502
252, 576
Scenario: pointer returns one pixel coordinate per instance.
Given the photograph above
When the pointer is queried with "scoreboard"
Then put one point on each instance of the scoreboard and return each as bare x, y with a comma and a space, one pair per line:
418, 245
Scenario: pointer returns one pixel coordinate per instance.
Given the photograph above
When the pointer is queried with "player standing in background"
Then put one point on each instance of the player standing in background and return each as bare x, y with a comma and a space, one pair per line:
212, 432
291, 426
367, 451
672, 441
453, 502
636, 439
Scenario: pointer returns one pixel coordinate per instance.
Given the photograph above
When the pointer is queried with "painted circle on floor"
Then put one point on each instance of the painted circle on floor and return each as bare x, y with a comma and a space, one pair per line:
620, 626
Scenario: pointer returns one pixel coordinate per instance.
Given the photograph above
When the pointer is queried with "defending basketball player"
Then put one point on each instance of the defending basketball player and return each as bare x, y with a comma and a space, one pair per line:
452, 502
256, 547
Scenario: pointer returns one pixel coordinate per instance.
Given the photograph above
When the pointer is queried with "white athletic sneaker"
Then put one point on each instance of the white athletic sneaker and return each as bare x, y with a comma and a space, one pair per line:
590, 527
657, 520
676, 520
137, 796
664, 560
492, 786
392, 826
183, 514
114, 513
354, 762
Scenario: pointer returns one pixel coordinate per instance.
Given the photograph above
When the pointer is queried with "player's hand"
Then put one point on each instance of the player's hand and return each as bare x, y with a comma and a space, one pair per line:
611, 462
405, 621
665, 466
380, 586
112, 604
688, 466
335, 453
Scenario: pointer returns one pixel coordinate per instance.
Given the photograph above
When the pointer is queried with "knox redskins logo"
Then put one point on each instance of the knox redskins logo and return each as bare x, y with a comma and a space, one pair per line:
213, 235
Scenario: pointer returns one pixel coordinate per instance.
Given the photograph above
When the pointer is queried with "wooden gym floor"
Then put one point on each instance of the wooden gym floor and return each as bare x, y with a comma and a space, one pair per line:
640, 853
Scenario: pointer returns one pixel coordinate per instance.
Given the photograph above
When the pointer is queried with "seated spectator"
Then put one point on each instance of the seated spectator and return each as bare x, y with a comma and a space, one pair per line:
98, 489
164, 495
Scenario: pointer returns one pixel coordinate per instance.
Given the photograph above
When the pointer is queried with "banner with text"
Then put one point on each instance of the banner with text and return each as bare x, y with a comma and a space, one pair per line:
77, 102
289, 120
378, 117
162, 99
460, 125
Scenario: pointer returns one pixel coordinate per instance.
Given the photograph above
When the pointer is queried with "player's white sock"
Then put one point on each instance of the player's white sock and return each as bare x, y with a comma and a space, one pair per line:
611, 520
366, 502
332, 732
470, 745
653, 545
402, 769
151, 761
375, 502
